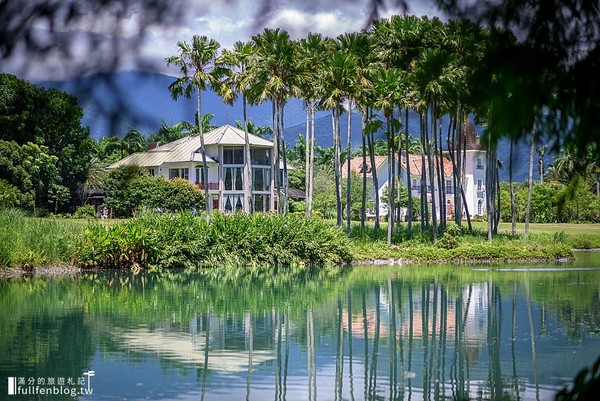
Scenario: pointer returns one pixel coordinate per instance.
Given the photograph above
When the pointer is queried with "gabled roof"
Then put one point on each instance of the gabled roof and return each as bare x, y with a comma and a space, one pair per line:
187, 148
228, 135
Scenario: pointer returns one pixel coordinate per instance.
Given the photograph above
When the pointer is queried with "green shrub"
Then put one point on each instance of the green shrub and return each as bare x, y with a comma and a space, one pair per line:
85, 212
182, 240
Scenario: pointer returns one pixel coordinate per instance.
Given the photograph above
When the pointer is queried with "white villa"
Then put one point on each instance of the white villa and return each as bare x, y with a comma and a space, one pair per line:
473, 179
225, 163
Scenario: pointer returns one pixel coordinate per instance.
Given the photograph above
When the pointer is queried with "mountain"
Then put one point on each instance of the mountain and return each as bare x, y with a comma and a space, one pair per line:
114, 103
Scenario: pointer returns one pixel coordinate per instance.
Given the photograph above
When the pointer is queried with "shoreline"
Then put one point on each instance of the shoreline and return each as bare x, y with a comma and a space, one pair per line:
71, 270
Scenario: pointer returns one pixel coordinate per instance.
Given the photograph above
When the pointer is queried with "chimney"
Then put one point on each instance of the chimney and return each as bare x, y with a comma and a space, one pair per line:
152, 145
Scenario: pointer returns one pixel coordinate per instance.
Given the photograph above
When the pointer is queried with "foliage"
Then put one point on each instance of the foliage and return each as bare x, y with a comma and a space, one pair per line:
131, 188
254, 241
47, 122
29, 242
451, 237
84, 212
10, 196
586, 386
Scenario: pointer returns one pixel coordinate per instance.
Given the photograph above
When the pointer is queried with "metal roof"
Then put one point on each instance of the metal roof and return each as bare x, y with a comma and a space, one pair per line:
228, 135
187, 148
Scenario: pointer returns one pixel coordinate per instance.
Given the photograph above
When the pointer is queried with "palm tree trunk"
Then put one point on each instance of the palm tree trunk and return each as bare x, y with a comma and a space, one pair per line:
399, 170
276, 157
311, 164
336, 165
375, 180
202, 151
248, 165
307, 181
513, 211
391, 169
430, 156
490, 184
348, 181
363, 206
424, 206
408, 178
440, 173
530, 183
284, 154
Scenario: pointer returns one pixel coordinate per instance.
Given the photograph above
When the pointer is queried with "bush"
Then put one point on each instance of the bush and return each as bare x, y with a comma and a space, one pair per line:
85, 212
250, 240
451, 237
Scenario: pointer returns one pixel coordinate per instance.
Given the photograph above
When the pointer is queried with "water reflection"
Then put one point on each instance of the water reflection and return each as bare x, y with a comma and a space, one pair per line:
372, 334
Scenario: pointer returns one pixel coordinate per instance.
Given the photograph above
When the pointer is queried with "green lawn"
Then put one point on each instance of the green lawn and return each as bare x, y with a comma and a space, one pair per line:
549, 228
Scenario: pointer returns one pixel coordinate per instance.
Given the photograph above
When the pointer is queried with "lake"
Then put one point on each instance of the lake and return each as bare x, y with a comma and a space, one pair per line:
369, 333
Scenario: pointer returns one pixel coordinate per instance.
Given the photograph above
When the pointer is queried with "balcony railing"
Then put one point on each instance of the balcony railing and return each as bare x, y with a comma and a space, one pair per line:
211, 185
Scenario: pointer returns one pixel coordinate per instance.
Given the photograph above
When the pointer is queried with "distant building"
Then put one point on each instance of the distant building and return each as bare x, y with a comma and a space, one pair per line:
473, 178
225, 159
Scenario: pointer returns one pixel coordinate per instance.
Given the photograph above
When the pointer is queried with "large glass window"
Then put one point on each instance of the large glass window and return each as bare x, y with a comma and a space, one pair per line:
260, 156
261, 203
234, 202
234, 179
233, 155
179, 173
261, 178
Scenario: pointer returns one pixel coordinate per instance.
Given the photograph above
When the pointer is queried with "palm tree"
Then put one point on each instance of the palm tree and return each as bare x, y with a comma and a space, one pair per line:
133, 141
237, 81
275, 74
337, 78
198, 69
311, 55
541, 152
389, 86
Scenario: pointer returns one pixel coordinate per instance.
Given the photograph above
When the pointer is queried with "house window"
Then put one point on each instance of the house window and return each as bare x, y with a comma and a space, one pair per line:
261, 203
233, 155
200, 175
234, 202
152, 171
480, 206
479, 165
261, 179
260, 156
415, 184
448, 186
234, 179
479, 185
179, 173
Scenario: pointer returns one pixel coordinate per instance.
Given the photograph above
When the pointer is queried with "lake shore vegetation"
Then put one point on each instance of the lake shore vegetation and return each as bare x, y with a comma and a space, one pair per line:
260, 243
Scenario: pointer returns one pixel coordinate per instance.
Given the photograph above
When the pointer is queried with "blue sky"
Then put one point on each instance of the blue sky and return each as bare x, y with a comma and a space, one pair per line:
227, 21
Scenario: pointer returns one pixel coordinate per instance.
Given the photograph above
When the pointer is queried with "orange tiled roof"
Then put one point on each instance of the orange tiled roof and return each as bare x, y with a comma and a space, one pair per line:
356, 164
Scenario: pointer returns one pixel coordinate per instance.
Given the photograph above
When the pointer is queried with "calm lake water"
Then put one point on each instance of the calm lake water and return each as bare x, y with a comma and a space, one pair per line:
372, 333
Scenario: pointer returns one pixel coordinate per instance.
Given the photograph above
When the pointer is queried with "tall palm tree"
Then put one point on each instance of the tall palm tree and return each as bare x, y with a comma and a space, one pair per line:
237, 81
337, 78
275, 75
312, 51
198, 70
357, 44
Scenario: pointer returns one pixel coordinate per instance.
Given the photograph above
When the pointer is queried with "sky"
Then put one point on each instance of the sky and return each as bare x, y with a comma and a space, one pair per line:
91, 43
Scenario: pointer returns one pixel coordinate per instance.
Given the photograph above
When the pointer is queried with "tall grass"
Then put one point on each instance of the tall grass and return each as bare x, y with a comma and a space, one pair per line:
27, 241
255, 241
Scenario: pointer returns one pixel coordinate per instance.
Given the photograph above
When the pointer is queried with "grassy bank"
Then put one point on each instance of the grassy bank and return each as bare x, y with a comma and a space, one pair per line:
254, 241
261, 242
29, 242
458, 246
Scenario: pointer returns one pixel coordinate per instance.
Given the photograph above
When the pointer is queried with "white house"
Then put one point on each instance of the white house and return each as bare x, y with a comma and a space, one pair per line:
473, 178
225, 159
